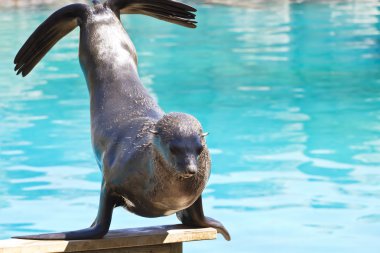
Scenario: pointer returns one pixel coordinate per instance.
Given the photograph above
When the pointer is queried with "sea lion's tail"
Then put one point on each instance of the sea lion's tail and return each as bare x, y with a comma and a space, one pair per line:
47, 35
167, 10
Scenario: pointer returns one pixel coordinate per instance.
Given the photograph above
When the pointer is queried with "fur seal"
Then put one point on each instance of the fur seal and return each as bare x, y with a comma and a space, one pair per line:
153, 164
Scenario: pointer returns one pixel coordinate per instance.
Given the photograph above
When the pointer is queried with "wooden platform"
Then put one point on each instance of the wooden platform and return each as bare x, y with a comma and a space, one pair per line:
159, 239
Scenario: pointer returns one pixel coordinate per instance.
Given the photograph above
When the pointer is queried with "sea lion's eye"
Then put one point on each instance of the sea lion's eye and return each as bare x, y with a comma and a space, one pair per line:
174, 150
199, 150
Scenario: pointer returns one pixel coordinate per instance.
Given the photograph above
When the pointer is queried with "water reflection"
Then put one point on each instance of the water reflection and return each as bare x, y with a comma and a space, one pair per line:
289, 91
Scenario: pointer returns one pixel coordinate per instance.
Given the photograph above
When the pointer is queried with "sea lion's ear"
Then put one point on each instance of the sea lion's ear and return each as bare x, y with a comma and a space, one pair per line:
153, 131
205, 134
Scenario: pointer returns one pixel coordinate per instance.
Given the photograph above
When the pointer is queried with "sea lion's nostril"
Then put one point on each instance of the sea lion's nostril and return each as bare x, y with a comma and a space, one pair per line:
192, 169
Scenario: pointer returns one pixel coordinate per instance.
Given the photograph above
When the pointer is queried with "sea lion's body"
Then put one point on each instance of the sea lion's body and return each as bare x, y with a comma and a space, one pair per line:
121, 113
153, 164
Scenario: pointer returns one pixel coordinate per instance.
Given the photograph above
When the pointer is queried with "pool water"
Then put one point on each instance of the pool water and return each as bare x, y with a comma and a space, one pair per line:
290, 93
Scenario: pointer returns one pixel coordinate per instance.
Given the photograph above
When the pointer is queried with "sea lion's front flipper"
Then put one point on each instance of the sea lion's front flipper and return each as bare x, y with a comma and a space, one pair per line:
97, 230
167, 10
47, 34
193, 216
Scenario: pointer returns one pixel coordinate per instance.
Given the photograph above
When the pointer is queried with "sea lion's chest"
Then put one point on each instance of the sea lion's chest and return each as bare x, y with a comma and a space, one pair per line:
162, 198
171, 194
164, 193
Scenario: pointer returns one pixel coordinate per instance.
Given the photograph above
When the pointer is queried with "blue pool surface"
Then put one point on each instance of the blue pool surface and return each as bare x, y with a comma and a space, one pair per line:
290, 93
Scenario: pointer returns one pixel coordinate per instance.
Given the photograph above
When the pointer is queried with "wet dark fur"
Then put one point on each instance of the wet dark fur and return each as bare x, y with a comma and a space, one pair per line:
153, 163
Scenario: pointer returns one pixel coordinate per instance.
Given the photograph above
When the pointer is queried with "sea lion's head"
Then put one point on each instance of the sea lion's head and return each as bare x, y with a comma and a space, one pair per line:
179, 139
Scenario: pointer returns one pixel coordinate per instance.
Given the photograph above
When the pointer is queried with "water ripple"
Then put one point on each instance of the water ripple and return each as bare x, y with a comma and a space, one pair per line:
289, 91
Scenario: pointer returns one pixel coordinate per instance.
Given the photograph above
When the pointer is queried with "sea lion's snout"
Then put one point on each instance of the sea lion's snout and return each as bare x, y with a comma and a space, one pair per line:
191, 170
186, 159
187, 167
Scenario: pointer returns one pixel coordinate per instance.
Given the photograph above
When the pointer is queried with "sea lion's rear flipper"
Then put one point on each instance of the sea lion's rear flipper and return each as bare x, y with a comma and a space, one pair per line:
47, 34
193, 216
167, 10
97, 230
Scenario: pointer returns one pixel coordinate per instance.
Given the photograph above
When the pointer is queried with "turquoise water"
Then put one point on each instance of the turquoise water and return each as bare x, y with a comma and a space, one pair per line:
290, 93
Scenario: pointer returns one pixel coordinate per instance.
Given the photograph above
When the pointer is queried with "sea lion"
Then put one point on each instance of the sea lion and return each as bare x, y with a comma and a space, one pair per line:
153, 164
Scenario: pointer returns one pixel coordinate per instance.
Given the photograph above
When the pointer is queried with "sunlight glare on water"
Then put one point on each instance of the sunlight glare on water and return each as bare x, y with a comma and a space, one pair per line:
290, 93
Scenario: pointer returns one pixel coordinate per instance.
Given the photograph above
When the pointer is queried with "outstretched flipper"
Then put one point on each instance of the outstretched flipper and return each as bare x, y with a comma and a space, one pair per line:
194, 216
47, 34
97, 230
167, 10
